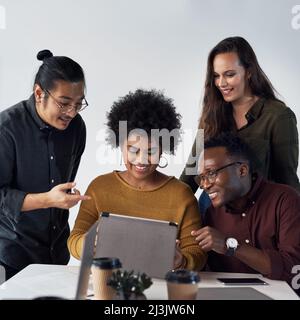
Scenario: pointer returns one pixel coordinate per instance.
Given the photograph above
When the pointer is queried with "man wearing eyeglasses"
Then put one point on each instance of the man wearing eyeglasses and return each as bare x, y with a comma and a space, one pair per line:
41, 143
253, 225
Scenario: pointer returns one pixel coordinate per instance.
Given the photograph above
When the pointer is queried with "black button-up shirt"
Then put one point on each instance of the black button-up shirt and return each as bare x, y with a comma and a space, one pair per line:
35, 157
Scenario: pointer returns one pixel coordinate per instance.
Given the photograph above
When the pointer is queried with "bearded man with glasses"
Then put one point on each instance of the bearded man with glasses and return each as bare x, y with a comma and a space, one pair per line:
253, 224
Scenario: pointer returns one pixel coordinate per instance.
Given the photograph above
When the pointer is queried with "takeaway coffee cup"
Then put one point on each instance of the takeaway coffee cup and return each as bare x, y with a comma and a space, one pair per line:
102, 269
182, 284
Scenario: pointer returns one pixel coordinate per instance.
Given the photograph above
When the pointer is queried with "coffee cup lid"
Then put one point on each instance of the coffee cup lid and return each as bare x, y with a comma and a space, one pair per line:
107, 263
182, 276
49, 298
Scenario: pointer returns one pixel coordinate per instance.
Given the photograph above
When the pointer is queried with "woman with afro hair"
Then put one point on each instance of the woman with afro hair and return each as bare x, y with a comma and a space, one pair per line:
151, 128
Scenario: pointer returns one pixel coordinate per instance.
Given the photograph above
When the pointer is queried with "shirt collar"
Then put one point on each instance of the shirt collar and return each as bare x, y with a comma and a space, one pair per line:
31, 106
251, 196
255, 110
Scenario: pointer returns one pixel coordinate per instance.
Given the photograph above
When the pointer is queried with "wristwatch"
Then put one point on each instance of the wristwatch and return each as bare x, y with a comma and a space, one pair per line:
231, 244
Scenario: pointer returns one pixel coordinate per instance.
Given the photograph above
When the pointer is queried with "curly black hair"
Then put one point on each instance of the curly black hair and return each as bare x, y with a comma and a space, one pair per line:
146, 110
234, 146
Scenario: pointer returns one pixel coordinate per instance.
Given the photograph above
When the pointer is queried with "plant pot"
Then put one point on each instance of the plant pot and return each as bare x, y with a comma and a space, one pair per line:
120, 295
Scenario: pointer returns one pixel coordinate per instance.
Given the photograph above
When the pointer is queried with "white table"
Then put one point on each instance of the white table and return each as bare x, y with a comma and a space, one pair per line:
56, 280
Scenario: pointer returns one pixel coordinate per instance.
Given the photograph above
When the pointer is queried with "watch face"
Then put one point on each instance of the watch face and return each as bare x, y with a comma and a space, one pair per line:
231, 243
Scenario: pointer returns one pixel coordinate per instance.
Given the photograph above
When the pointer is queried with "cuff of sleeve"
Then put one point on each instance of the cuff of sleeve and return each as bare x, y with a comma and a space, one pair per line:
194, 262
12, 204
276, 264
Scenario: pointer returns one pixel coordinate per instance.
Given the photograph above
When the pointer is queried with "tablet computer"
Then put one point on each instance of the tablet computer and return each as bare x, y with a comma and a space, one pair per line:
242, 281
86, 262
142, 245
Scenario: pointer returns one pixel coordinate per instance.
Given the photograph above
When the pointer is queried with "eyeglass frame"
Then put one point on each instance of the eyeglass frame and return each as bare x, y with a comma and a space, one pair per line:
213, 173
69, 108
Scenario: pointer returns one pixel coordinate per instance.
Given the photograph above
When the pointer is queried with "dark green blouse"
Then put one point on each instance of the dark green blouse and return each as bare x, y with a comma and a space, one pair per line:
272, 135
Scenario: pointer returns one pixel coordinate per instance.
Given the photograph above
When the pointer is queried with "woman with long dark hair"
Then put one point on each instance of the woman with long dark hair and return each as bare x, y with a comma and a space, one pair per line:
239, 98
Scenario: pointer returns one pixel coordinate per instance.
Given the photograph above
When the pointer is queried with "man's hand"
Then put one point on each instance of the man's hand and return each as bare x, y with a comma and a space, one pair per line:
58, 197
210, 239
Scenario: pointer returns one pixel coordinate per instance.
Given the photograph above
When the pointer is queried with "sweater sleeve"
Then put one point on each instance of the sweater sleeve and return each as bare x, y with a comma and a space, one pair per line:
11, 199
87, 216
195, 257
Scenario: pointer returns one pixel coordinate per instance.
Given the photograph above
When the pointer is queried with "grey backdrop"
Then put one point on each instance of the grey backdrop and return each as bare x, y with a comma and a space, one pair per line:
123, 45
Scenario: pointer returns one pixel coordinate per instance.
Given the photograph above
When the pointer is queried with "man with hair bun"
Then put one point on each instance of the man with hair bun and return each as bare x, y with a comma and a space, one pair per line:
41, 143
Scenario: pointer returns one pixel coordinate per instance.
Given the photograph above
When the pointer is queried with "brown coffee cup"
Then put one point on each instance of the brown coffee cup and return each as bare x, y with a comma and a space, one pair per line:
102, 269
182, 284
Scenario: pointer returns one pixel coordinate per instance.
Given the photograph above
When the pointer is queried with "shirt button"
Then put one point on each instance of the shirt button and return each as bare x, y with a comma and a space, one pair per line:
51, 158
52, 181
243, 215
247, 240
54, 227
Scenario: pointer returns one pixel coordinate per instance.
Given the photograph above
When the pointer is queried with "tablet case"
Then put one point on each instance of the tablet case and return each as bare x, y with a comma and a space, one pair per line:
86, 262
142, 245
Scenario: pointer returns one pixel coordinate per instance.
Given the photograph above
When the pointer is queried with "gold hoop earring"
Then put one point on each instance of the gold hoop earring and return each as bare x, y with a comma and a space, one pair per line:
165, 164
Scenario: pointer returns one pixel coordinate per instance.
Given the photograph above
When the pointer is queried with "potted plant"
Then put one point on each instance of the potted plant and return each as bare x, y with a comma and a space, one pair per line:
128, 285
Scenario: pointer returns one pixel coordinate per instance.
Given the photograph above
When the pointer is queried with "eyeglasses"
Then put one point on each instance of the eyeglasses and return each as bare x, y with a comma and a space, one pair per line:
67, 107
211, 175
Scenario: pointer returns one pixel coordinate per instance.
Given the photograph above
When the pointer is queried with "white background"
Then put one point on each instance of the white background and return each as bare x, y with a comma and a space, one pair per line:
124, 45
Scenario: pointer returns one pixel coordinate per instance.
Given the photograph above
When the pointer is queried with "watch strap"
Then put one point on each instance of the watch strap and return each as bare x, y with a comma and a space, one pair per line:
230, 252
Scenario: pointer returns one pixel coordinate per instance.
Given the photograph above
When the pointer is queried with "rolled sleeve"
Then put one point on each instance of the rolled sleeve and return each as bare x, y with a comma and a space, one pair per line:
195, 257
11, 200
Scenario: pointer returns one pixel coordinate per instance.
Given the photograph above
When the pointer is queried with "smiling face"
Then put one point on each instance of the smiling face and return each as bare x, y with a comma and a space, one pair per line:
230, 77
141, 157
63, 94
228, 185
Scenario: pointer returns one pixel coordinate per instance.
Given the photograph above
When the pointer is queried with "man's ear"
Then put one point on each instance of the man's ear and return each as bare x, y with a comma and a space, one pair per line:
39, 93
244, 169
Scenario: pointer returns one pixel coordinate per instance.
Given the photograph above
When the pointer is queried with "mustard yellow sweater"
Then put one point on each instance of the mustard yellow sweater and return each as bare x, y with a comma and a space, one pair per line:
171, 201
